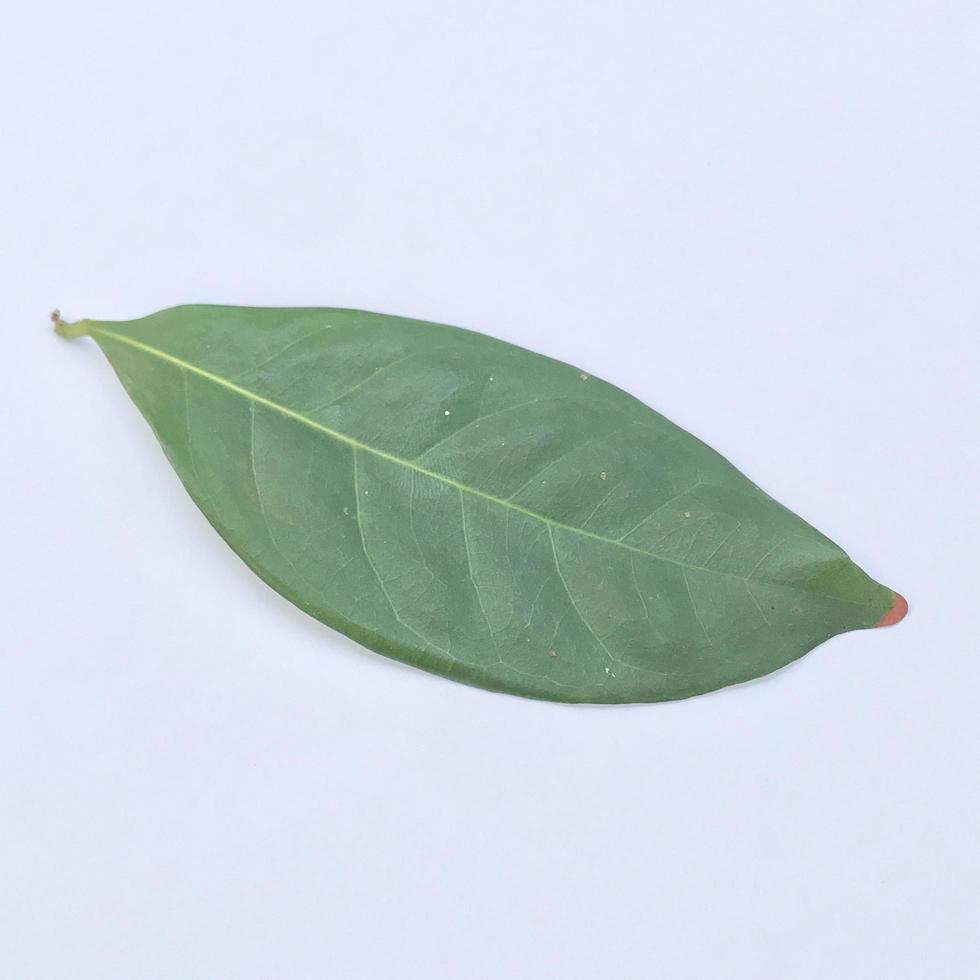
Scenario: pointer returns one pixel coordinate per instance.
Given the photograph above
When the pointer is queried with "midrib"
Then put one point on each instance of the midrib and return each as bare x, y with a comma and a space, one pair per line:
408, 464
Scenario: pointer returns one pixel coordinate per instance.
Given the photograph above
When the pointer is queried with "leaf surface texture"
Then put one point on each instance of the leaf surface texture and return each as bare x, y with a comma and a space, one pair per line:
478, 510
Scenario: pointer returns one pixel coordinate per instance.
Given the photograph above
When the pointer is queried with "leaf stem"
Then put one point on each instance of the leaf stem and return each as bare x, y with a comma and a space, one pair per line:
63, 329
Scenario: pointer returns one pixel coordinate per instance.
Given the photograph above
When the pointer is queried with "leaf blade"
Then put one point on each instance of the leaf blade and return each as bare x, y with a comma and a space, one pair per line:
671, 555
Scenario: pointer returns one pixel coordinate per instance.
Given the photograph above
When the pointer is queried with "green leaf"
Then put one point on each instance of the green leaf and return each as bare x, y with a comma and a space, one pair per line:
480, 511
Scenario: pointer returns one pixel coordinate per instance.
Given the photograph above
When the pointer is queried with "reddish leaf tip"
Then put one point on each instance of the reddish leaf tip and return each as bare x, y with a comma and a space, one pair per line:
897, 612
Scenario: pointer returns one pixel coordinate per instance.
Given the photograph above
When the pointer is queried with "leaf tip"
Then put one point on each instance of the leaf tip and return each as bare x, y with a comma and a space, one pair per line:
897, 612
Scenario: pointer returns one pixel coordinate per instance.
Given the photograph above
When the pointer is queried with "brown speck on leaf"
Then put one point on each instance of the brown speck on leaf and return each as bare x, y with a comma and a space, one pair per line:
796, 610
687, 513
552, 653
583, 376
603, 475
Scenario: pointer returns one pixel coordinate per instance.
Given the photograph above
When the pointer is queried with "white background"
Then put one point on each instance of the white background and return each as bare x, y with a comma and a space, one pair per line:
761, 218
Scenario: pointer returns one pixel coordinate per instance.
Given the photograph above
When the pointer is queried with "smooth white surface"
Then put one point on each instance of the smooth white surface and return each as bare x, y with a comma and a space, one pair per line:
759, 217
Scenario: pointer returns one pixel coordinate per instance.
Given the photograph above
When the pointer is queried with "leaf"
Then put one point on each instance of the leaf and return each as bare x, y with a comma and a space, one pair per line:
480, 511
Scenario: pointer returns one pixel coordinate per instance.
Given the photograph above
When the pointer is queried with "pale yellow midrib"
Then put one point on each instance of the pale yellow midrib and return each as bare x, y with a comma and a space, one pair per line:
408, 464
